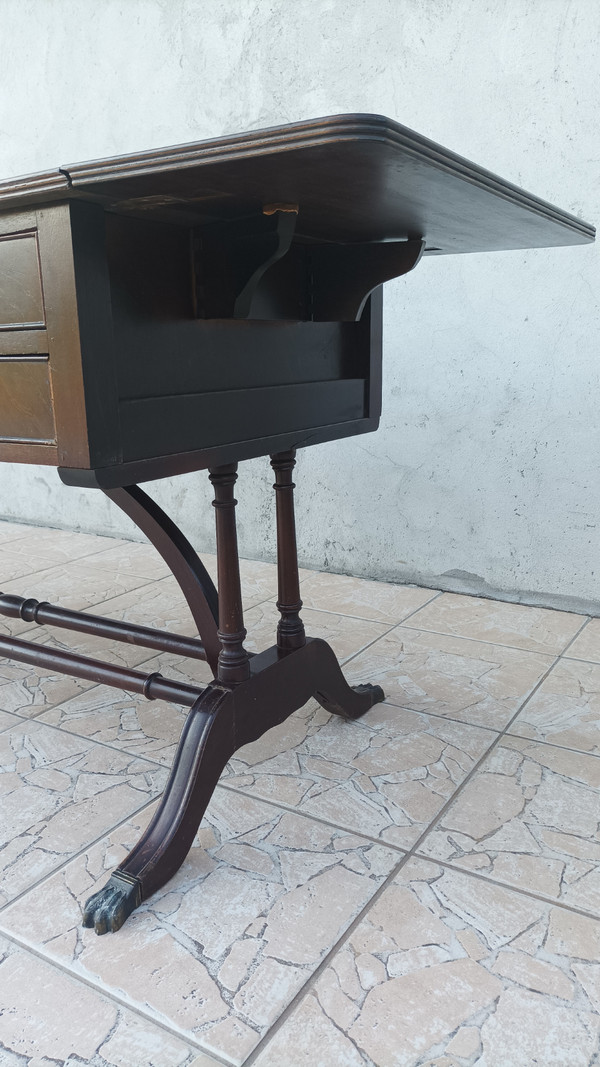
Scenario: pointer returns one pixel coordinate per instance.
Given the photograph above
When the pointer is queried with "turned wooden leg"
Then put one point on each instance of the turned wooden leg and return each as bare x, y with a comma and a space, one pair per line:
290, 629
206, 744
234, 663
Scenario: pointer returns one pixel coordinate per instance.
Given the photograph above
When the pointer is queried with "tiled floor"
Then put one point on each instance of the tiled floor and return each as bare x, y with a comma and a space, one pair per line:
421, 887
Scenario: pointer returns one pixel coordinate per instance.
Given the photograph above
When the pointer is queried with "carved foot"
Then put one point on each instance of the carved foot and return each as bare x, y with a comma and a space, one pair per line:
110, 907
375, 695
375, 692
333, 691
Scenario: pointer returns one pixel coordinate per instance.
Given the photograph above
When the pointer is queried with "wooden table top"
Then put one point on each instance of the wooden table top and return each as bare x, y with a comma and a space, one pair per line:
353, 177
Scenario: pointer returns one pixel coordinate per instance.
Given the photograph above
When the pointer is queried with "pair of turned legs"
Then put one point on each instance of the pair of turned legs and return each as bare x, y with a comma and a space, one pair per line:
234, 662
249, 695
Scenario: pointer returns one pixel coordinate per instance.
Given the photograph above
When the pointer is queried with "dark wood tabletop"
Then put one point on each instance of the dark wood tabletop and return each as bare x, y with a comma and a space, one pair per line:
354, 177
174, 309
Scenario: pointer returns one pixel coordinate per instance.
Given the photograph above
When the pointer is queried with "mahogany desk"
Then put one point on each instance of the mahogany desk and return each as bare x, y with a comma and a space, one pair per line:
191, 307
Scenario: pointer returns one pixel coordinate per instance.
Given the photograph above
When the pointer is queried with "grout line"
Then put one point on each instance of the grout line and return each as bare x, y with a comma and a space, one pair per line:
579, 659
316, 974
498, 644
407, 854
110, 994
578, 633
482, 726
92, 740
412, 853
495, 743
75, 855
476, 766
434, 715
552, 901
385, 634
312, 818
279, 805
435, 593
552, 744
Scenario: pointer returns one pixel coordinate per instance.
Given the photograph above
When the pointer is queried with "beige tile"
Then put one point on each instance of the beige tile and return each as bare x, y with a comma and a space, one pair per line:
62, 546
259, 580
118, 653
123, 720
345, 635
28, 691
59, 792
587, 645
159, 604
76, 585
528, 818
478, 683
379, 601
162, 604
224, 947
565, 710
49, 1017
513, 1000
11, 531
389, 779
517, 625
22, 565
132, 557
14, 627
128, 721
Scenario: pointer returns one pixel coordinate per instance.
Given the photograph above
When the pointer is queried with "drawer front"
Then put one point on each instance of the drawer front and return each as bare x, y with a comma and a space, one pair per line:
21, 302
26, 413
27, 427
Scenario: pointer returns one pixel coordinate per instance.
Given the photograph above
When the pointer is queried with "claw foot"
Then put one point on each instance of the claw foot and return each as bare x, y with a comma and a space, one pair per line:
375, 694
111, 906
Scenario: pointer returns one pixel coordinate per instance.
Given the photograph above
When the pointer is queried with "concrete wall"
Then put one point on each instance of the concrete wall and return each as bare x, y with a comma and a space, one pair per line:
484, 474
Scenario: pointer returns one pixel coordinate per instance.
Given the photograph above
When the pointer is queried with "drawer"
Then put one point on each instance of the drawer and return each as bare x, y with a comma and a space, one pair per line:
26, 413
21, 302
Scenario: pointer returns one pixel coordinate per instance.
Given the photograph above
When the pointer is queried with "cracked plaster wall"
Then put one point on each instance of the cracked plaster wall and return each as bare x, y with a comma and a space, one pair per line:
484, 474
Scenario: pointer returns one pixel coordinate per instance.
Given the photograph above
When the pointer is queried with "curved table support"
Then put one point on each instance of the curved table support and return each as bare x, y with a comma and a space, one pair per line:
185, 565
223, 719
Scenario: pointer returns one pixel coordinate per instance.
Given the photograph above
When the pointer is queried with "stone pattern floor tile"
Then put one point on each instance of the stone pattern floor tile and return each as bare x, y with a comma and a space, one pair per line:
533, 629
565, 710
48, 1017
528, 818
587, 645
15, 565
7, 720
76, 585
223, 948
12, 531
479, 962
28, 691
474, 682
158, 604
345, 634
58, 793
378, 601
389, 773
447, 970
63, 546
118, 653
130, 557
127, 721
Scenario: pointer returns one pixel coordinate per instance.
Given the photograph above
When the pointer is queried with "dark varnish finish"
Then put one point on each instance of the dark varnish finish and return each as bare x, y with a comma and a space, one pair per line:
191, 307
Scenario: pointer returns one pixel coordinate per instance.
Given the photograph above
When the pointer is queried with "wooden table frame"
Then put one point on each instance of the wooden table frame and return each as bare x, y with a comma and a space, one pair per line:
193, 307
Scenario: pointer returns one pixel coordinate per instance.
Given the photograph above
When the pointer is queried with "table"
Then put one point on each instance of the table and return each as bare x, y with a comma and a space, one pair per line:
195, 306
